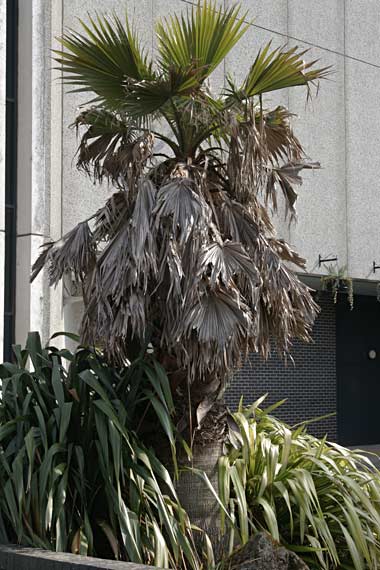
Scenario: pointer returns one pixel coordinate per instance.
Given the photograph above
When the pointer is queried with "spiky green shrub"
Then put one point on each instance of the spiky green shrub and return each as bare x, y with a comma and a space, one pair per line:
316, 498
74, 474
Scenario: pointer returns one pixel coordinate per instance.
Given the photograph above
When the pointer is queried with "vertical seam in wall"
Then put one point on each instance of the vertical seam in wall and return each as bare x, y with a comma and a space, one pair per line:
345, 178
287, 34
225, 6
153, 29
46, 124
62, 137
47, 10
289, 236
62, 100
345, 132
46, 35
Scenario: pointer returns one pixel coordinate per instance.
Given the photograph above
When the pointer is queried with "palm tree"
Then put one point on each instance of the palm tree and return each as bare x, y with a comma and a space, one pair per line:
183, 257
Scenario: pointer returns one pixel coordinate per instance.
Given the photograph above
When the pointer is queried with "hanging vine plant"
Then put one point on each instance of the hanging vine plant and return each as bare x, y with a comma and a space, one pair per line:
337, 280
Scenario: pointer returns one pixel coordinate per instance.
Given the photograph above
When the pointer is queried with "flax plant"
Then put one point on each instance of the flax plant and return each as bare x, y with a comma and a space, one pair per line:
316, 498
75, 475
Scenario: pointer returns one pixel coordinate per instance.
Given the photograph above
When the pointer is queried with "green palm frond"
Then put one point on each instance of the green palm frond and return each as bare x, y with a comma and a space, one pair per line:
200, 39
147, 97
104, 59
279, 69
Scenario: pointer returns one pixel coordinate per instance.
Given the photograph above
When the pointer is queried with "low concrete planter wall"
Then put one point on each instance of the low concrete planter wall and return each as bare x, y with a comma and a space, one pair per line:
19, 558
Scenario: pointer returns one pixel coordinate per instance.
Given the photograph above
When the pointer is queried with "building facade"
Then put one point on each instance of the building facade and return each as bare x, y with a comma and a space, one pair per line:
42, 195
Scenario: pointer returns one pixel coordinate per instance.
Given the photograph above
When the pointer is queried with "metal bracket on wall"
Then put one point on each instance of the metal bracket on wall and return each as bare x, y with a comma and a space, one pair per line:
326, 259
374, 266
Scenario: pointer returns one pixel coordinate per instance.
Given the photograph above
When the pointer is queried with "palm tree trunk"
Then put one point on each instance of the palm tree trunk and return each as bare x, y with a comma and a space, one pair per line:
195, 495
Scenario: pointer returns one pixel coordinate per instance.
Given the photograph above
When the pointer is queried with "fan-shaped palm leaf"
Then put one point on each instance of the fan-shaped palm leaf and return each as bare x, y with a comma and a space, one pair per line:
73, 254
227, 260
279, 69
187, 209
147, 97
110, 217
201, 39
218, 316
281, 142
104, 59
112, 147
286, 177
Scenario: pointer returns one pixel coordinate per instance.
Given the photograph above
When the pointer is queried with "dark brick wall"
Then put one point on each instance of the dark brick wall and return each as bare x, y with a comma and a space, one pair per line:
309, 385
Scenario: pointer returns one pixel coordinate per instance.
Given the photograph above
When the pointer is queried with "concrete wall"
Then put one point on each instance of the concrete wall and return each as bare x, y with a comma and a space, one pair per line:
38, 213
39, 195
338, 206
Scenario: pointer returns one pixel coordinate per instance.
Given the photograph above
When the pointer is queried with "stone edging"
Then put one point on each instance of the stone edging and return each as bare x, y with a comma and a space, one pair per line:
21, 558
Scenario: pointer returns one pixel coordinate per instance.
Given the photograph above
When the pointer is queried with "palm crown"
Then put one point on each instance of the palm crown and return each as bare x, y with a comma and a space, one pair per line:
183, 255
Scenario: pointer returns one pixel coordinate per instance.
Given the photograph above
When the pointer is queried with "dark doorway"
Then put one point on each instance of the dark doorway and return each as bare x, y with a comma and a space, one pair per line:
358, 371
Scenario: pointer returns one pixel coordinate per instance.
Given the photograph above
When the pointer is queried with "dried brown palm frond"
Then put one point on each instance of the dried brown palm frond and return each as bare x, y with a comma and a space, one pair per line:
143, 246
264, 154
74, 254
217, 317
41, 260
112, 148
184, 255
286, 177
286, 253
185, 209
227, 260
243, 224
281, 142
247, 158
109, 218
